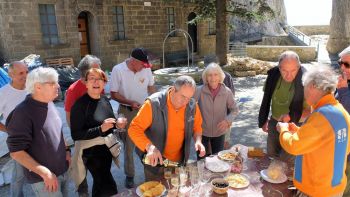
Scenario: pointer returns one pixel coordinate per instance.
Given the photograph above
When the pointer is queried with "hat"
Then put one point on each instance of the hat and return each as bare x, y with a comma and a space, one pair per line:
141, 54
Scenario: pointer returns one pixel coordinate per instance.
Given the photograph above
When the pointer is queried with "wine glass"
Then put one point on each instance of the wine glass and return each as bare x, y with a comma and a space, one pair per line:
121, 122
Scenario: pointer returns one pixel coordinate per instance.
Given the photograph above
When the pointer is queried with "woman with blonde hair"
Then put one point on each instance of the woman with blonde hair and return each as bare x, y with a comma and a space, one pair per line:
214, 100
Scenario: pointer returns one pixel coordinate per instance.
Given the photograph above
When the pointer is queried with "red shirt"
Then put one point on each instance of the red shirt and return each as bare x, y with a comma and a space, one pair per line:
75, 91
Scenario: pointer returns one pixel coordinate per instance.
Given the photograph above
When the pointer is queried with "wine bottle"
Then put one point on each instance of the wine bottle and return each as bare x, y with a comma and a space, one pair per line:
166, 162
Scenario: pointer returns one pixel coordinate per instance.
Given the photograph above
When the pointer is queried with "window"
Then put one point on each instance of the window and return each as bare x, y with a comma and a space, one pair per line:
118, 21
48, 24
171, 20
212, 28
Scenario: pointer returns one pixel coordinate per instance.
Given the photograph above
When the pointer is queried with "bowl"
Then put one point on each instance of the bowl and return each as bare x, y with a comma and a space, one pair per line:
219, 185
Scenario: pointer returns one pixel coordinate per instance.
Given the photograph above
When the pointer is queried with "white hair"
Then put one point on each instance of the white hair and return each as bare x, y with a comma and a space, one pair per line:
213, 67
40, 75
322, 77
346, 51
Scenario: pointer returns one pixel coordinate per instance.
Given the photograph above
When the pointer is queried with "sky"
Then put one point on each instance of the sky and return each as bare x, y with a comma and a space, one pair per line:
308, 12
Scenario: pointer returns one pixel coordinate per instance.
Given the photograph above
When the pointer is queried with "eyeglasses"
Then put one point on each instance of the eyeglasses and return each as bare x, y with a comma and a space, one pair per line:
52, 83
346, 64
95, 79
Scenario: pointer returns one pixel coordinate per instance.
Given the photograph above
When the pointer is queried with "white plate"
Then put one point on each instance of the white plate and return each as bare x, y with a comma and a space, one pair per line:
222, 153
219, 166
264, 175
139, 193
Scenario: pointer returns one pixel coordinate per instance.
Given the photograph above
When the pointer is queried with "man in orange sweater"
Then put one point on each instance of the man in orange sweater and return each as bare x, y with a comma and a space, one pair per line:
321, 144
165, 124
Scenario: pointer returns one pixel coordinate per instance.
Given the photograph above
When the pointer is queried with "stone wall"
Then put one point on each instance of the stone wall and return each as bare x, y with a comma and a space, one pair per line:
276, 41
314, 29
145, 26
339, 36
271, 53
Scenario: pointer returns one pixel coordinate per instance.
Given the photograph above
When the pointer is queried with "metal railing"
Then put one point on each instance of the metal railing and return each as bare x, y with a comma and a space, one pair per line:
187, 36
237, 49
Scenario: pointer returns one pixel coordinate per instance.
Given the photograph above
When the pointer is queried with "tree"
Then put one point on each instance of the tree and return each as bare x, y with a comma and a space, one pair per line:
219, 10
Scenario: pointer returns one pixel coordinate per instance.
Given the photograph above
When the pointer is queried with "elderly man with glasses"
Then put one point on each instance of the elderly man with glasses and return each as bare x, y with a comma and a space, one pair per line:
165, 125
35, 135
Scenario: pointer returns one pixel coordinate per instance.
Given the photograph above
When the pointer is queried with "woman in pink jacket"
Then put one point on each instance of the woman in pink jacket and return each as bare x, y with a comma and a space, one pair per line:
214, 100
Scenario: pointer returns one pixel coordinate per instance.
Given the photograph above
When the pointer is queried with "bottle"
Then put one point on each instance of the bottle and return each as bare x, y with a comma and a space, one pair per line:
166, 162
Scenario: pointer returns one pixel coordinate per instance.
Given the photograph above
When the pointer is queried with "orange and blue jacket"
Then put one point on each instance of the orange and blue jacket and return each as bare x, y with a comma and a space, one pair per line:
321, 146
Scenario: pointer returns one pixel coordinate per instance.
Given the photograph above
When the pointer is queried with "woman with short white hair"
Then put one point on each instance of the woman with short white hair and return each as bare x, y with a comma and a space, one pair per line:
214, 100
321, 144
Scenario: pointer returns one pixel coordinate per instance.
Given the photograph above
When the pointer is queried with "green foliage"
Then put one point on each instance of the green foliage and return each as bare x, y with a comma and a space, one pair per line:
252, 10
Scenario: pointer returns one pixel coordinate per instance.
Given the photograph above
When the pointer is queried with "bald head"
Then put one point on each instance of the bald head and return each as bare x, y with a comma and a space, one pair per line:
18, 73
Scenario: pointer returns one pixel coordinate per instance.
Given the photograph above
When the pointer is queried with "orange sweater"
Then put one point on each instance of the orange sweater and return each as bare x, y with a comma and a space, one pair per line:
176, 129
315, 143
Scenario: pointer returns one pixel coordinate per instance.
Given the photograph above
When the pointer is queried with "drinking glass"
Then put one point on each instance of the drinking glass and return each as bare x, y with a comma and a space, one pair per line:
175, 182
183, 176
167, 173
121, 120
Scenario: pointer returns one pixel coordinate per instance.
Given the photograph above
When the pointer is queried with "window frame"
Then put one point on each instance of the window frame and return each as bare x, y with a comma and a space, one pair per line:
49, 29
211, 27
171, 20
119, 19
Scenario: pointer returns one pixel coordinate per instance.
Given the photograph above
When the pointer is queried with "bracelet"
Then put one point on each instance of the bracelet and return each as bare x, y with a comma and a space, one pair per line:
68, 149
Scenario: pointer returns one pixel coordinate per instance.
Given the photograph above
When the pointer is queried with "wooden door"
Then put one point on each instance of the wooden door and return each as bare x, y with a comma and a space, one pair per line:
83, 35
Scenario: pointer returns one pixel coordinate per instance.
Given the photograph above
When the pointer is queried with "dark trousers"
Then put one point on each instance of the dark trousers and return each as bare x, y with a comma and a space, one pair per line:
274, 148
100, 169
216, 143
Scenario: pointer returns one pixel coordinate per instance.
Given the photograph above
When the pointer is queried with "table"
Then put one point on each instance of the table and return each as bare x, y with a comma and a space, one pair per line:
257, 188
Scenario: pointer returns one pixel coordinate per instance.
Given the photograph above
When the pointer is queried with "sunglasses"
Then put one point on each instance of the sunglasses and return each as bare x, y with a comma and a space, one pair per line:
346, 64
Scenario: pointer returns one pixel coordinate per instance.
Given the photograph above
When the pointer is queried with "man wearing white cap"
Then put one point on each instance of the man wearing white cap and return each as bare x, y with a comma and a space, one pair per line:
131, 83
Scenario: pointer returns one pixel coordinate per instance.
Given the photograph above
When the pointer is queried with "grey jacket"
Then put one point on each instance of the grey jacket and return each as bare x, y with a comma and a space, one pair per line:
158, 131
215, 110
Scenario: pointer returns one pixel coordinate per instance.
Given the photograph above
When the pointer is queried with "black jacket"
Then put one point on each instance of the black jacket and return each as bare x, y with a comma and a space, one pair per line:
296, 106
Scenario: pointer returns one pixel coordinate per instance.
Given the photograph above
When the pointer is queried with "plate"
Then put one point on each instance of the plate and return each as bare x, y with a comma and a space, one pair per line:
237, 180
264, 175
219, 166
139, 193
227, 155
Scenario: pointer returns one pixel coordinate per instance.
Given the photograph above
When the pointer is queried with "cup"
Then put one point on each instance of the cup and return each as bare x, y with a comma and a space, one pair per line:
167, 173
174, 180
121, 122
183, 176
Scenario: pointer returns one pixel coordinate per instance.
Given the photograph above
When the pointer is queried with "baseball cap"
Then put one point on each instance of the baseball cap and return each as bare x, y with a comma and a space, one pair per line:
141, 54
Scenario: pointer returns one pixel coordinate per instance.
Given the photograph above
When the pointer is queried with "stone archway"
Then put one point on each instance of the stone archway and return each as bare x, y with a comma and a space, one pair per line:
192, 30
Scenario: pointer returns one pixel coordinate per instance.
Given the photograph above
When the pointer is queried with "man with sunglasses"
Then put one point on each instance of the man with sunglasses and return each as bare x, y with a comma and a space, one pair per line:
131, 83
343, 96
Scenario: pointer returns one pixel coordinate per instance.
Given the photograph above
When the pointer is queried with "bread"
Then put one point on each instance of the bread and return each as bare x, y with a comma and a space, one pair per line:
148, 185
255, 152
152, 189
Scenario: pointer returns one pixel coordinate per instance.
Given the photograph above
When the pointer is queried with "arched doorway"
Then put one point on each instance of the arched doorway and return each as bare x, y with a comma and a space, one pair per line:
84, 36
192, 30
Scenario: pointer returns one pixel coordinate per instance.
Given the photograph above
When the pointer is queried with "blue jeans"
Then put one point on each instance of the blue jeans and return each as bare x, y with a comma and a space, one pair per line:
62, 190
17, 180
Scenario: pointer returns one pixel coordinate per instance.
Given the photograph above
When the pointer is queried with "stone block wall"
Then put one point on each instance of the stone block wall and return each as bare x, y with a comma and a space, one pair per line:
314, 29
272, 53
145, 26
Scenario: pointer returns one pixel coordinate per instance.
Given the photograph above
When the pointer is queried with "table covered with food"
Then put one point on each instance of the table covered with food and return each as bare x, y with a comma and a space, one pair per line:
240, 171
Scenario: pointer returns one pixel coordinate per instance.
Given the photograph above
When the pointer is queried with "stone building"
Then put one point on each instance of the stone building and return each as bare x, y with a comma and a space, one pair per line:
108, 29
